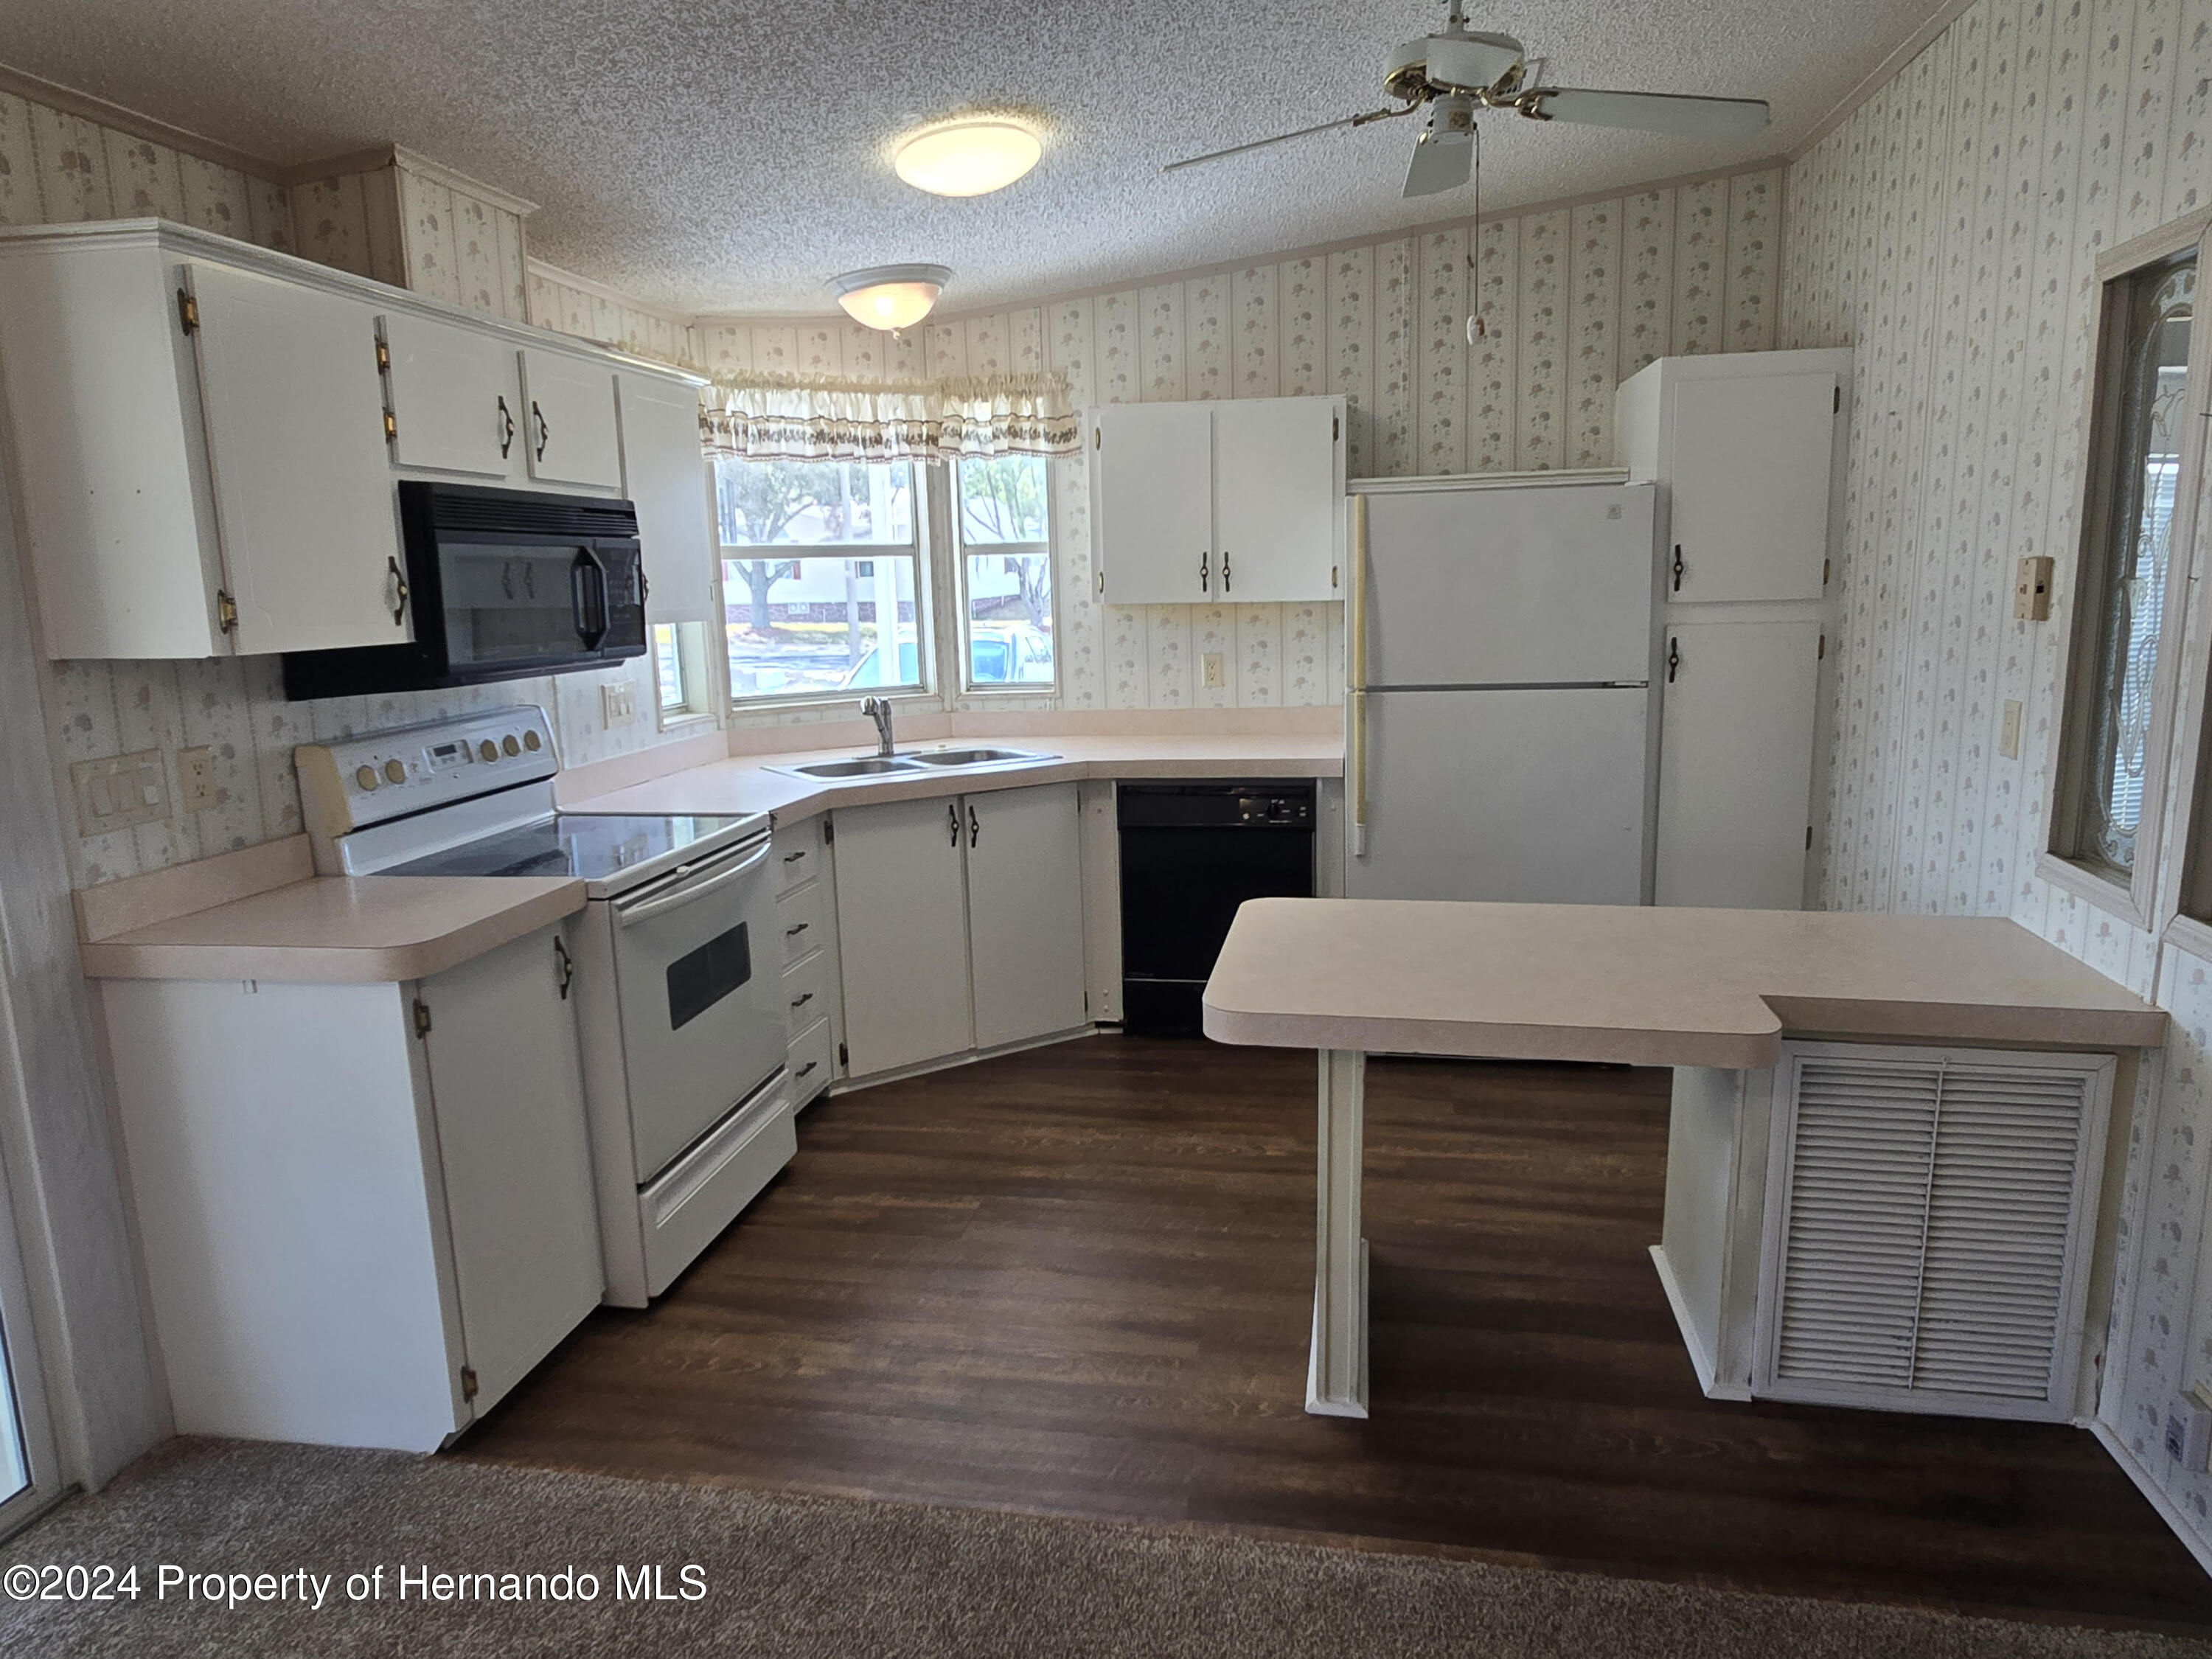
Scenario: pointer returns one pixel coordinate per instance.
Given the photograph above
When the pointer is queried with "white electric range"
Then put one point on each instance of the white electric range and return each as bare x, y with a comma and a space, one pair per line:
681, 1030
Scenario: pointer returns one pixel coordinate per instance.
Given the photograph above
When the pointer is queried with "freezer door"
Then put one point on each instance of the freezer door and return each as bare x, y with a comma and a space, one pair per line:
1515, 585
1537, 796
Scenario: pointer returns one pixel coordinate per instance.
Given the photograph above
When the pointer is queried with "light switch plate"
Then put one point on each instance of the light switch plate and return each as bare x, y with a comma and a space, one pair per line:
2009, 733
197, 789
617, 702
1215, 676
2030, 598
119, 791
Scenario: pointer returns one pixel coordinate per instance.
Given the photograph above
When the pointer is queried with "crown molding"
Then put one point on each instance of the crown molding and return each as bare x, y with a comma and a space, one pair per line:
534, 266
84, 106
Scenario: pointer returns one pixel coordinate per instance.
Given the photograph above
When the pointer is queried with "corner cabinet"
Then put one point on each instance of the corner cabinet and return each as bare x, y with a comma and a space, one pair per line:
1236, 502
204, 437
959, 926
367, 1211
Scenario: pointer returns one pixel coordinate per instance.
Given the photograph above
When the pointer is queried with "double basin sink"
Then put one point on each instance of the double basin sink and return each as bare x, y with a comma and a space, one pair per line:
921, 760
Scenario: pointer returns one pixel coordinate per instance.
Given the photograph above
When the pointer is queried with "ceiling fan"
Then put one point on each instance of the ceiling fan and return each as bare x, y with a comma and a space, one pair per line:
1461, 71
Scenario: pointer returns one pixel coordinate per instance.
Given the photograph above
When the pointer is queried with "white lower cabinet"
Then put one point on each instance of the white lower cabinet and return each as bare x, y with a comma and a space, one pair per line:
959, 925
806, 924
365, 1211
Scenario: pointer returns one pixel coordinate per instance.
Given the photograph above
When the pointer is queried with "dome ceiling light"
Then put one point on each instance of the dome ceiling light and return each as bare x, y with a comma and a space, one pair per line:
890, 297
973, 156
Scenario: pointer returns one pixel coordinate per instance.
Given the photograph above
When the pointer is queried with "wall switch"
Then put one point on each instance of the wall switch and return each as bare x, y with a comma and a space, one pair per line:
2189, 1434
2031, 596
197, 789
2008, 733
120, 791
617, 702
1215, 676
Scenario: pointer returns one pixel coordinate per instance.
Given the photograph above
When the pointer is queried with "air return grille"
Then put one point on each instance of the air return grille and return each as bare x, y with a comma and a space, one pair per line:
1927, 1243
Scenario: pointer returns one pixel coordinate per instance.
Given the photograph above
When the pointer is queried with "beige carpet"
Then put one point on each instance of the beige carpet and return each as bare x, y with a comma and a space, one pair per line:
800, 1576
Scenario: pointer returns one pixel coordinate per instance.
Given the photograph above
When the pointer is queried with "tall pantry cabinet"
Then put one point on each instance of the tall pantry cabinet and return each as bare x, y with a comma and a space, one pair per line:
1748, 450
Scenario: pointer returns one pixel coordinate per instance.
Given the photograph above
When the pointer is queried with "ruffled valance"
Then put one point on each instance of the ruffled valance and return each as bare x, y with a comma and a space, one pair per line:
786, 417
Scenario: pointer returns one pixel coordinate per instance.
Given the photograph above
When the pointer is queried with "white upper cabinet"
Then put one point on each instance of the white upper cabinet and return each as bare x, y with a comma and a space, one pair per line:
571, 431
1278, 489
664, 474
1746, 445
304, 505
456, 399
1232, 502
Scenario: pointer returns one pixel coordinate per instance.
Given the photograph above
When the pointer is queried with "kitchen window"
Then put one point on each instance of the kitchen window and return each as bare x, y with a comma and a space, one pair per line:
2136, 523
802, 616
681, 672
1004, 527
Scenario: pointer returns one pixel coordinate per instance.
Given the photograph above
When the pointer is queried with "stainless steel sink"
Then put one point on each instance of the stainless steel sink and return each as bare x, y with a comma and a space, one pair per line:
864, 767
972, 756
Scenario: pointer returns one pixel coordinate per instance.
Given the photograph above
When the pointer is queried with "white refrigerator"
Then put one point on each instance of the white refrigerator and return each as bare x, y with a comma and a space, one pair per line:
1499, 650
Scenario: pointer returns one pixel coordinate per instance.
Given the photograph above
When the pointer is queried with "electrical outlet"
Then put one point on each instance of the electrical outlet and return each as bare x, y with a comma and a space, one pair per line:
2009, 733
617, 702
197, 789
1215, 676
120, 791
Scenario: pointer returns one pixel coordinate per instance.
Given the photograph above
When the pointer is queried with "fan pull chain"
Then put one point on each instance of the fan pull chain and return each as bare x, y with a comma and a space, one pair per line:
1478, 327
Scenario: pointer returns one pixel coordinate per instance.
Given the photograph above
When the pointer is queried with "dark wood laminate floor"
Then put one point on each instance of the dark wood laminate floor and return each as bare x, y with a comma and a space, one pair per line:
1079, 1280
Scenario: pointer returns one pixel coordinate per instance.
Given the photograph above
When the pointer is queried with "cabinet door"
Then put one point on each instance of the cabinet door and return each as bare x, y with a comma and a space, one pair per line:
1024, 912
1152, 502
1735, 763
1278, 484
664, 473
902, 934
456, 404
1747, 474
305, 505
507, 1087
570, 430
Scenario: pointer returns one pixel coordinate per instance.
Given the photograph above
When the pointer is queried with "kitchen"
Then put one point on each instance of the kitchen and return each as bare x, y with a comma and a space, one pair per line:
712, 826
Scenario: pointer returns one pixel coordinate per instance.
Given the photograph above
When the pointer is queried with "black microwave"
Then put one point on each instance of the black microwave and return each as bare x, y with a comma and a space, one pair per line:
503, 584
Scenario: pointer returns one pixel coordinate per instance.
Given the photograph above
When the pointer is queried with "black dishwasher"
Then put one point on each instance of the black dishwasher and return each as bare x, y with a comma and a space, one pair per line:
1191, 853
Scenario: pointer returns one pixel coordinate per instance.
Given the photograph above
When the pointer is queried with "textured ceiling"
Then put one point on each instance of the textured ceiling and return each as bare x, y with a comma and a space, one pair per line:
720, 156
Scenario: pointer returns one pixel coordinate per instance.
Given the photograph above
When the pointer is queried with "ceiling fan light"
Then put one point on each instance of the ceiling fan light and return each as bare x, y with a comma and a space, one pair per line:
967, 158
889, 296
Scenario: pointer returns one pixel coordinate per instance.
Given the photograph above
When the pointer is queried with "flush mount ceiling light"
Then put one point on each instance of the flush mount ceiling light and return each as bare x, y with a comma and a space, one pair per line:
970, 157
889, 296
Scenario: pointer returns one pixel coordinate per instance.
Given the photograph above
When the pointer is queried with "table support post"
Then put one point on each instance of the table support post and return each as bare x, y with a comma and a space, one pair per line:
1336, 1373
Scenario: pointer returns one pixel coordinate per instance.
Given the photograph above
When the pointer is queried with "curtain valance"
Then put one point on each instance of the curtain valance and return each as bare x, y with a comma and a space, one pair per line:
786, 417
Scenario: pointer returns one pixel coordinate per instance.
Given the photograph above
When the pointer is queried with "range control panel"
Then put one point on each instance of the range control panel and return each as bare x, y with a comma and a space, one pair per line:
352, 782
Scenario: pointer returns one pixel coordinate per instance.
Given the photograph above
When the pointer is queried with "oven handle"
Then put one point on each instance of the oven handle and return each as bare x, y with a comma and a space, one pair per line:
681, 895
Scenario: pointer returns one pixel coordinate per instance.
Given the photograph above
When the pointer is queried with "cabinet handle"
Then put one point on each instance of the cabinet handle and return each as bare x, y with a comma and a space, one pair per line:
793, 858
975, 828
544, 432
802, 999
1203, 558
1225, 570
1678, 567
952, 816
568, 967
1673, 659
398, 590
809, 1066
793, 932
506, 428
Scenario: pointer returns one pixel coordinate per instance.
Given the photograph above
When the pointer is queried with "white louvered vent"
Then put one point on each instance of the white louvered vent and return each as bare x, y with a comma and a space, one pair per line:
1930, 1214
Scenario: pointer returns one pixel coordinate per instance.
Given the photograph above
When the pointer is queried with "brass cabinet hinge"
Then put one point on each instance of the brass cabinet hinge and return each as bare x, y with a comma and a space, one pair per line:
1824, 573
1332, 576
188, 311
383, 358
1335, 429
422, 1018
468, 1383
1102, 584
226, 611
391, 427
1098, 437
843, 1059
1821, 654
828, 832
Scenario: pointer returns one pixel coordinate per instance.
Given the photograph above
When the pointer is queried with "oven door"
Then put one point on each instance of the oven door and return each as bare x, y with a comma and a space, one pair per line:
696, 974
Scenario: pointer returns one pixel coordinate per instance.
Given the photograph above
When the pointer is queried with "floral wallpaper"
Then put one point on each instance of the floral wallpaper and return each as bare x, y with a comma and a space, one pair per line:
1949, 230
1571, 301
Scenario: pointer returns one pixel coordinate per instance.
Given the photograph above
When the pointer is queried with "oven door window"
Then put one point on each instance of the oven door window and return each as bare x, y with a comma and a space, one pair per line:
512, 604
701, 978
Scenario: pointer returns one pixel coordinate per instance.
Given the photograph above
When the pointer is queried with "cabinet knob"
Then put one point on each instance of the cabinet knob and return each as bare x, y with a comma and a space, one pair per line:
1678, 567
1204, 558
975, 826
506, 428
398, 592
952, 817
1225, 570
1673, 659
544, 431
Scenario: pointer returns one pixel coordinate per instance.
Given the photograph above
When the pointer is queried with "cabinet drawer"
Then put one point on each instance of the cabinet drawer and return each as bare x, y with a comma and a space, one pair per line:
809, 987
802, 922
797, 855
812, 1063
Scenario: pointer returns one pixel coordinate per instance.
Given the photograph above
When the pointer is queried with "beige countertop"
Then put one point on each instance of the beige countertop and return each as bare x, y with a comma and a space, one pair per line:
752, 783
1646, 986
337, 929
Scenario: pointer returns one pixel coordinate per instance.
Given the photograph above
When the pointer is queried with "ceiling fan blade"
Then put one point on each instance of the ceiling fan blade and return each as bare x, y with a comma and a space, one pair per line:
1441, 162
1675, 116
1360, 120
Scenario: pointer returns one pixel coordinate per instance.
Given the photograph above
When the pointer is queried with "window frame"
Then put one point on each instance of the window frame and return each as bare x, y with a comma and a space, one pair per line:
2151, 895
693, 673
963, 611
919, 551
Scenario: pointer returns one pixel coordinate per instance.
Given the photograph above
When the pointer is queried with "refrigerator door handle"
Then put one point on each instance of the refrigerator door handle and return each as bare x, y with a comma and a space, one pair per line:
1355, 700
1355, 736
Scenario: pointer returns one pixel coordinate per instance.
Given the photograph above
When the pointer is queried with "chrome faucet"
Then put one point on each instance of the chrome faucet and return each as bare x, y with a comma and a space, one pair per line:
878, 709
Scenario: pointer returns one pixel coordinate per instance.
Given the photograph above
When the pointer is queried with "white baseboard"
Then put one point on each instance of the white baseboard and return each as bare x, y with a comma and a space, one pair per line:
1699, 1359
946, 1062
2168, 1511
